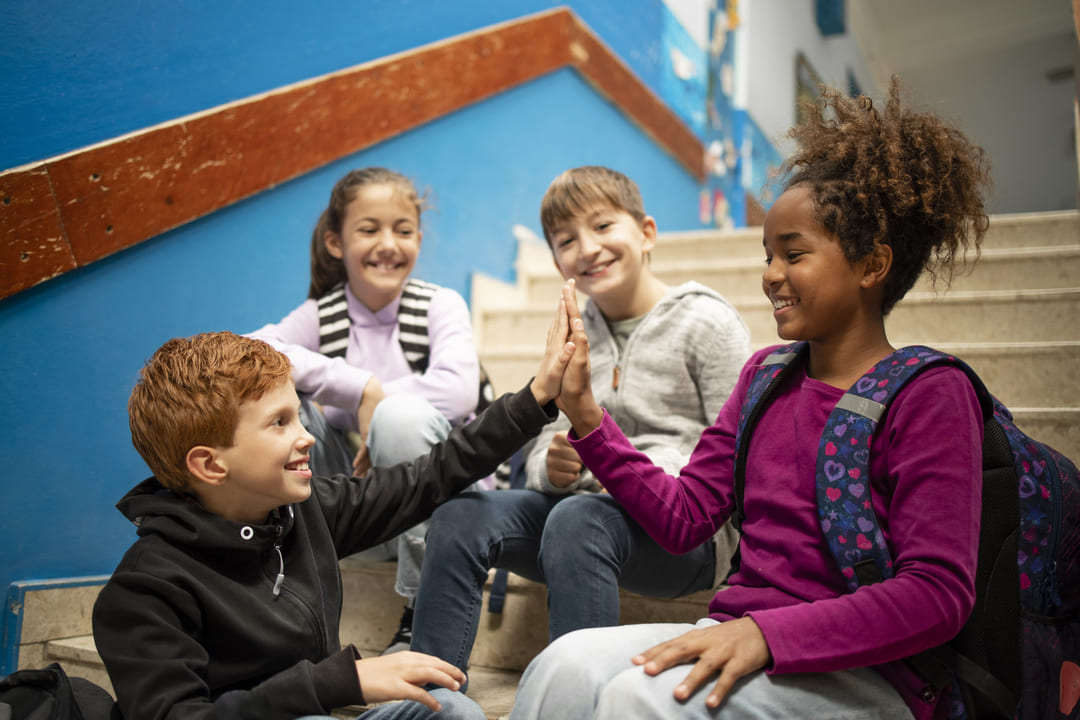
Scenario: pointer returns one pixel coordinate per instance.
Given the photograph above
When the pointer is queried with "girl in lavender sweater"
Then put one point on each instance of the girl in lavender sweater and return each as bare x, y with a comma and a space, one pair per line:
871, 198
365, 401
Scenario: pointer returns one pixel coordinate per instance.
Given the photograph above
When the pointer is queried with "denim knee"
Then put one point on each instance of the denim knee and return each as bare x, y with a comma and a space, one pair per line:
458, 524
565, 655
584, 517
404, 427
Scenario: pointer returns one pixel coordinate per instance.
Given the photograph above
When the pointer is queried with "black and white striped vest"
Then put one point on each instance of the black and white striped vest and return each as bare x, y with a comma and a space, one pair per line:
412, 329
412, 323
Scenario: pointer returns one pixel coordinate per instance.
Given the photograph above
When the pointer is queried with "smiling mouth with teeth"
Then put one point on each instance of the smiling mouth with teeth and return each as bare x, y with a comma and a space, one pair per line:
779, 304
597, 269
298, 466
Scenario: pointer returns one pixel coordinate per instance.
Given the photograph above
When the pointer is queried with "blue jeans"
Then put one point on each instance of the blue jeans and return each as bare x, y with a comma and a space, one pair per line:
588, 674
584, 547
403, 427
455, 706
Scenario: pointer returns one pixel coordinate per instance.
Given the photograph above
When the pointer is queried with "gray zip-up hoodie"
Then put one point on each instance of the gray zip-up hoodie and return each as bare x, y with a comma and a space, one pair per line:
676, 371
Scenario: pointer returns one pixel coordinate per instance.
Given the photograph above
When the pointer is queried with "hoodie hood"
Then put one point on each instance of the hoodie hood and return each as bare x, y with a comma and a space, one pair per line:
182, 521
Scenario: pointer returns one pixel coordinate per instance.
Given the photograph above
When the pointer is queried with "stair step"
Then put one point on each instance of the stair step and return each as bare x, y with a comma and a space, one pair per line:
1042, 267
1033, 229
1019, 230
1003, 316
79, 658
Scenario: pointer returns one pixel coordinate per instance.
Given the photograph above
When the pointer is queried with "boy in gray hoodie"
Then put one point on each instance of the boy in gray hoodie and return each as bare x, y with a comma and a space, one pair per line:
663, 362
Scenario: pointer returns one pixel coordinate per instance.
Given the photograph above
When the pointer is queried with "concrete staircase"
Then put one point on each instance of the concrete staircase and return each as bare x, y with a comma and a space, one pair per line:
1015, 319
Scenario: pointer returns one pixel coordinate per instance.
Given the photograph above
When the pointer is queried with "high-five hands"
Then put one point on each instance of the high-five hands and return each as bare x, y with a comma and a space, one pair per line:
575, 396
730, 650
557, 353
564, 372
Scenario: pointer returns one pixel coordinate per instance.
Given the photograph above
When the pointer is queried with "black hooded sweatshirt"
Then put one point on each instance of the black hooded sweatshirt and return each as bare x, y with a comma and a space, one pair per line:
190, 625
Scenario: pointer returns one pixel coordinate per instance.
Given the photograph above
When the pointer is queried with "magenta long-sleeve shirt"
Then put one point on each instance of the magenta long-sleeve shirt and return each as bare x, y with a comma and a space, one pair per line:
926, 470
450, 383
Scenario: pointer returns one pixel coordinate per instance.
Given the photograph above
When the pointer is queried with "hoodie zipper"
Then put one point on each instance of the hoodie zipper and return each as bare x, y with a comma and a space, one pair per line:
279, 582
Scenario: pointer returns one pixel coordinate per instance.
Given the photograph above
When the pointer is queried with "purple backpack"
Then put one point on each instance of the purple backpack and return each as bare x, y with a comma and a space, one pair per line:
1018, 655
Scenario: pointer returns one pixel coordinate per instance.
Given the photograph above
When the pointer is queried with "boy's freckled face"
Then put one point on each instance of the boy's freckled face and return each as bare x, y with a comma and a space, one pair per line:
603, 249
267, 463
379, 243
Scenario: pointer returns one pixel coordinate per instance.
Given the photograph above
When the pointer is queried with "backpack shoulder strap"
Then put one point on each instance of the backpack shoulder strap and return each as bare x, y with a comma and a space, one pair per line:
774, 368
334, 322
845, 510
413, 322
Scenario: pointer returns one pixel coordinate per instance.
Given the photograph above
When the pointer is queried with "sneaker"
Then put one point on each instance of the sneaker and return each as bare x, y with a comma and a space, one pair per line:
403, 637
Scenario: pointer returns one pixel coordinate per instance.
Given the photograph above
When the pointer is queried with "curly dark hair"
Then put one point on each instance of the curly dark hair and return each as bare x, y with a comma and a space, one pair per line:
902, 178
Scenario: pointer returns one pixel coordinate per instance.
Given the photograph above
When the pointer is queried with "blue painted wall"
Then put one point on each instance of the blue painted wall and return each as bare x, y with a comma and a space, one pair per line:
77, 73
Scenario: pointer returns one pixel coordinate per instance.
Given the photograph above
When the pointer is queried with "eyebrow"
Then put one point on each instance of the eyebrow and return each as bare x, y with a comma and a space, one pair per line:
783, 237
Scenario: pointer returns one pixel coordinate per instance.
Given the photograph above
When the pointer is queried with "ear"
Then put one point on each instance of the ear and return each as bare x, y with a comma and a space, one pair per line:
333, 244
205, 464
876, 266
648, 230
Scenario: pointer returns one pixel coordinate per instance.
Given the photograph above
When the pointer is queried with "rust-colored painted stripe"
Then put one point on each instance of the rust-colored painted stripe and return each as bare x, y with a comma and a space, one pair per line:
78, 208
34, 246
611, 77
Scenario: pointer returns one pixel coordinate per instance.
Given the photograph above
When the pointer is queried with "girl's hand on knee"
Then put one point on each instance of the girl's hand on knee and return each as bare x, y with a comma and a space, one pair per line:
576, 396
403, 675
730, 650
557, 354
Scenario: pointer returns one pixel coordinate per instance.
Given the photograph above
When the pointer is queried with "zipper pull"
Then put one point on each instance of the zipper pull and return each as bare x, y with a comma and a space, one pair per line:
280, 579
615, 378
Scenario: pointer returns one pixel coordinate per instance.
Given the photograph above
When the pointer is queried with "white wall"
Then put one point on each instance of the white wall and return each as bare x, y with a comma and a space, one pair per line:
994, 86
1005, 103
771, 35
694, 16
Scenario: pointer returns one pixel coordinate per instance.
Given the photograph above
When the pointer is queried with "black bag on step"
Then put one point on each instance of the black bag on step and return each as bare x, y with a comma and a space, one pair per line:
49, 694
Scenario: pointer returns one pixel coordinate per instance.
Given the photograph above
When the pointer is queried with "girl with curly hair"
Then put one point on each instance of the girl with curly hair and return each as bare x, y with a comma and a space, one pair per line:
871, 199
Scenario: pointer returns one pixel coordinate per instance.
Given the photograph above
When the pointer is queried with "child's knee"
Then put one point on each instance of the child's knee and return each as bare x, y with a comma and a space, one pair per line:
404, 427
625, 694
575, 514
569, 654
398, 413
457, 521
587, 518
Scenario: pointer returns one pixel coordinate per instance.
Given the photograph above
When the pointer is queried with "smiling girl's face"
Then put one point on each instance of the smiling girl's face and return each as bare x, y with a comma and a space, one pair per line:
816, 293
379, 243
